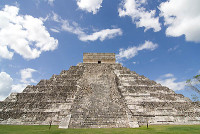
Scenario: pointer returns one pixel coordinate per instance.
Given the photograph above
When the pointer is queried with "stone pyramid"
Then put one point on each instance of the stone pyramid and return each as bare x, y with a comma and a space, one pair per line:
98, 93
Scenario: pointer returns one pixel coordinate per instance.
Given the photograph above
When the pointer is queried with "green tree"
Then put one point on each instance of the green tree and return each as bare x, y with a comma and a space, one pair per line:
194, 84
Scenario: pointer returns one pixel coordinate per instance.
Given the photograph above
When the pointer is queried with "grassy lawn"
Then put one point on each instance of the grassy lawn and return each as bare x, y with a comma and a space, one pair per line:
158, 129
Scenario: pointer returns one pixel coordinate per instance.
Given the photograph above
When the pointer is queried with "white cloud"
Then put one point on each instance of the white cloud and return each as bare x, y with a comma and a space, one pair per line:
26, 79
199, 72
134, 62
133, 51
51, 2
143, 18
18, 88
102, 35
43, 19
153, 59
169, 81
4, 53
168, 75
182, 17
90, 5
5, 85
26, 75
54, 30
74, 28
23, 34
173, 48
77, 30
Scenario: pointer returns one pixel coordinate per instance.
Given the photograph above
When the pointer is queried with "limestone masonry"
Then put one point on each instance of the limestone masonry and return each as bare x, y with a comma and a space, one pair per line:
98, 58
98, 93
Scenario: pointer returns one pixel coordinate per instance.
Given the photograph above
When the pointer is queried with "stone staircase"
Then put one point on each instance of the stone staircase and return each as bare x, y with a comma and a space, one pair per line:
92, 95
49, 100
98, 103
149, 101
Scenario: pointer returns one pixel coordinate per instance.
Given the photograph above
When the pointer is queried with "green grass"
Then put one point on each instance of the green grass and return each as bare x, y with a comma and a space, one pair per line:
157, 129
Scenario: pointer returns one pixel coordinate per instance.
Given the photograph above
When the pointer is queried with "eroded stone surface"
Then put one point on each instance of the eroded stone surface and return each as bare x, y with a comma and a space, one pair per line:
99, 58
92, 95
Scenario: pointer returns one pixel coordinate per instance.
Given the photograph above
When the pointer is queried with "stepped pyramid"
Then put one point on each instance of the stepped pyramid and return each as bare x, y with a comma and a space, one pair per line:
98, 93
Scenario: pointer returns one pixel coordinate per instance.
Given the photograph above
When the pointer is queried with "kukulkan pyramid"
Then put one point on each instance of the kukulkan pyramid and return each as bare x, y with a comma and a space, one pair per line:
98, 93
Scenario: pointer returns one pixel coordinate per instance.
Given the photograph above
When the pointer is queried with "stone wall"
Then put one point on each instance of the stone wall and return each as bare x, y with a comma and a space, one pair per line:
98, 58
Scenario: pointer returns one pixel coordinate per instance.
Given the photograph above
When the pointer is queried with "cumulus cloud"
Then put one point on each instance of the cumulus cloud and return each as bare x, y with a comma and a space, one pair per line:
133, 51
140, 16
26, 79
23, 34
18, 88
90, 5
4, 53
5, 85
26, 75
169, 81
182, 17
77, 30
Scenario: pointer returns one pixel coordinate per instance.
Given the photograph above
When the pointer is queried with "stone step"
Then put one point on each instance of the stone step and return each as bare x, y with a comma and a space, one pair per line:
179, 106
65, 122
97, 116
50, 88
35, 116
97, 95
145, 88
72, 72
44, 97
43, 106
97, 126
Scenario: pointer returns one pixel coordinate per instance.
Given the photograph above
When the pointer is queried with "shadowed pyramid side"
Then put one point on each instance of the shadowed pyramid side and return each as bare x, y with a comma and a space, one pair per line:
49, 100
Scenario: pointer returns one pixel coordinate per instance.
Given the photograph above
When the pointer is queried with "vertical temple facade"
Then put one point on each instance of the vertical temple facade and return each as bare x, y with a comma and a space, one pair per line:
98, 57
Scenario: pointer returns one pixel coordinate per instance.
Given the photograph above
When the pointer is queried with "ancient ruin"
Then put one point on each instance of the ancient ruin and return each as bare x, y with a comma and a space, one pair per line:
98, 93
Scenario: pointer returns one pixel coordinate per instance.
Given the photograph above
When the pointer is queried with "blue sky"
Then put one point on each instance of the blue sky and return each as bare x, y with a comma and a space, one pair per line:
158, 39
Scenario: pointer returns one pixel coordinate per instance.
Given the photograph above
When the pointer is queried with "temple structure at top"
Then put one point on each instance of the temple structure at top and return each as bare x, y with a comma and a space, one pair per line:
99, 58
